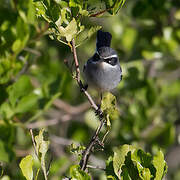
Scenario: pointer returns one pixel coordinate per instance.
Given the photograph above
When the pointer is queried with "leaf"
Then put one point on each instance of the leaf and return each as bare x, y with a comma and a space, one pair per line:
6, 111
26, 165
26, 103
17, 46
113, 6
118, 4
20, 88
108, 106
160, 165
5, 177
110, 170
3, 152
151, 94
119, 158
42, 145
69, 31
77, 174
143, 163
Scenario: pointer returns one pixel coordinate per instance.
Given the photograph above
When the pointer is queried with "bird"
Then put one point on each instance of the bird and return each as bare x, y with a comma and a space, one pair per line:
103, 71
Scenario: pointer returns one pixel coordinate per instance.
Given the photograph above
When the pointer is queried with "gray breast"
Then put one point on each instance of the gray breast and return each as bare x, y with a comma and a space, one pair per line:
102, 78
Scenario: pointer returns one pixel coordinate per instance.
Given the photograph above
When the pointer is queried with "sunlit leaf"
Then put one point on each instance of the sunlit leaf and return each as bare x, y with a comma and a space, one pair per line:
42, 145
160, 165
77, 174
26, 166
119, 157
70, 31
108, 106
22, 87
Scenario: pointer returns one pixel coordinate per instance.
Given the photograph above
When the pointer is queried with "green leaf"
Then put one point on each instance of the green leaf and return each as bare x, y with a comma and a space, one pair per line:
26, 103
19, 89
117, 5
151, 94
41, 10
108, 106
110, 170
119, 158
77, 174
160, 165
17, 46
113, 6
3, 152
6, 111
42, 145
74, 3
69, 31
143, 163
26, 165
5, 177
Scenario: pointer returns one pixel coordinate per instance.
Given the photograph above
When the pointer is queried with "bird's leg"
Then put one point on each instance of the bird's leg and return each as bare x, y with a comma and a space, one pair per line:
82, 86
99, 111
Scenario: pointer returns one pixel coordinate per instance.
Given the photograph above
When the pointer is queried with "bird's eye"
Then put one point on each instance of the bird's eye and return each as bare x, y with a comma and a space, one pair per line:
112, 61
96, 57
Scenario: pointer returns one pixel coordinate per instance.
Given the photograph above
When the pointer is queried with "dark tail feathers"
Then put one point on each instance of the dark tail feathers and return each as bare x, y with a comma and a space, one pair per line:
103, 39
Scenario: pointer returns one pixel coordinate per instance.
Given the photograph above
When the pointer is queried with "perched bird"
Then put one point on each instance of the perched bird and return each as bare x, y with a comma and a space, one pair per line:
102, 71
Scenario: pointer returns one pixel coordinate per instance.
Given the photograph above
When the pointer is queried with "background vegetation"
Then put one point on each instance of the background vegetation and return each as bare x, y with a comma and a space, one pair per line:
37, 89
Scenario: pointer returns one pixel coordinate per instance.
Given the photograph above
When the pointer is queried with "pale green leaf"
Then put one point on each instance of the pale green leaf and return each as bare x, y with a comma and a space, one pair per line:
77, 174
42, 145
119, 157
26, 165
108, 106
5, 177
17, 45
70, 31
160, 165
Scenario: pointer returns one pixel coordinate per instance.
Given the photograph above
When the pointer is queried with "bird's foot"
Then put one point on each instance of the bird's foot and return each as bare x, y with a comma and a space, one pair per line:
99, 113
83, 87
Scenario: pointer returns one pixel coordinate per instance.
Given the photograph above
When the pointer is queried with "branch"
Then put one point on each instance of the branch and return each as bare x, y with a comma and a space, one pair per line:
72, 110
88, 150
34, 143
95, 167
91, 101
94, 139
99, 13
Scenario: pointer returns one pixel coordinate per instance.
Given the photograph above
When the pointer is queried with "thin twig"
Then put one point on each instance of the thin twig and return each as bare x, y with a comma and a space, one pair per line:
88, 150
95, 167
33, 141
107, 132
99, 13
76, 60
93, 104
72, 110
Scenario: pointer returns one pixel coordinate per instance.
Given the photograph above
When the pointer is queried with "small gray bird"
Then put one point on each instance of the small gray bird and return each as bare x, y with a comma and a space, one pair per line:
102, 71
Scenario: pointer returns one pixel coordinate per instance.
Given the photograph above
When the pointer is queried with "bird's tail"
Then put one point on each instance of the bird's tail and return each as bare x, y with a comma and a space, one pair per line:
103, 39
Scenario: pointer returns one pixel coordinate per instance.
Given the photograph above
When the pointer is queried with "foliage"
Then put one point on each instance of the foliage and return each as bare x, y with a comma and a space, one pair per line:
130, 162
41, 147
34, 84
